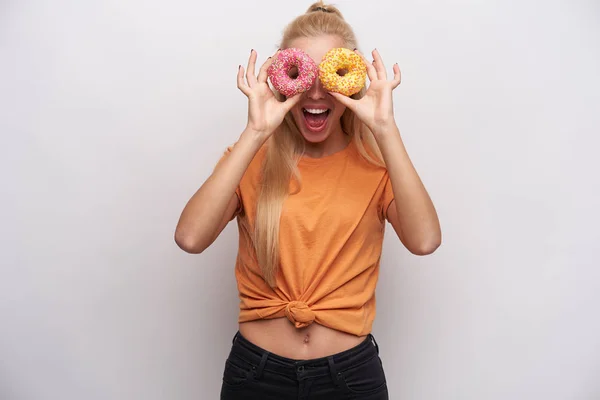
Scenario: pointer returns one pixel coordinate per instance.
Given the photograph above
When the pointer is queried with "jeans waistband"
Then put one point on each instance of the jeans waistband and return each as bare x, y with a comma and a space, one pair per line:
304, 368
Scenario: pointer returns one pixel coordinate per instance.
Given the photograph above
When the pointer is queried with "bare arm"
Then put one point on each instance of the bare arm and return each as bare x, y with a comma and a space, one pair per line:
411, 213
214, 204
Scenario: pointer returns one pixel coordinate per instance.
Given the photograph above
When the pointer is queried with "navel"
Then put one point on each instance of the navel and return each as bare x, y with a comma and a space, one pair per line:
306, 338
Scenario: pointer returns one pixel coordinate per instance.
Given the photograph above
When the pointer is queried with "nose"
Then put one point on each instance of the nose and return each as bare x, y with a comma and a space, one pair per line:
317, 91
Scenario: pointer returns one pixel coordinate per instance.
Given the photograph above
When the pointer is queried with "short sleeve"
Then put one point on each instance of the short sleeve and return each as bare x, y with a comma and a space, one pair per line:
387, 196
238, 192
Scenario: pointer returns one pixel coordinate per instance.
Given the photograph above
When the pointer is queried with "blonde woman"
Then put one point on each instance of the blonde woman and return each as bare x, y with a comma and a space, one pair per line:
311, 180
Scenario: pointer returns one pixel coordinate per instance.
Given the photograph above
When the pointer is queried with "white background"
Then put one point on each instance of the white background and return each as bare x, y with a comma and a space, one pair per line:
114, 112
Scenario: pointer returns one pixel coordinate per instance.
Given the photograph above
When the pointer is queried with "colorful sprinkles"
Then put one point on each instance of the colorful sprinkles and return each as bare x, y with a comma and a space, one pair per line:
280, 68
343, 59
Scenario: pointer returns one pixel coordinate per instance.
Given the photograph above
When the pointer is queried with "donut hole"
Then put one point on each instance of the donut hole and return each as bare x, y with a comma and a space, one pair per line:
342, 71
293, 72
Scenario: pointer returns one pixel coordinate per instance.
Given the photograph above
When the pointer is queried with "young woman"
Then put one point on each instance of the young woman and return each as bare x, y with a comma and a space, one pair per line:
311, 190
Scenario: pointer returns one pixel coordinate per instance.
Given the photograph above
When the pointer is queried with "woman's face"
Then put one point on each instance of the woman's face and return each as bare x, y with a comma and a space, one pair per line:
318, 114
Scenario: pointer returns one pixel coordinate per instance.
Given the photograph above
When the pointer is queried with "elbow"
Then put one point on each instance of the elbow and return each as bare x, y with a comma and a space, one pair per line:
426, 247
188, 243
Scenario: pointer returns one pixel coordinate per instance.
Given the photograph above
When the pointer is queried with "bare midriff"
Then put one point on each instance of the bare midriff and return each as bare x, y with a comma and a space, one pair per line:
280, 337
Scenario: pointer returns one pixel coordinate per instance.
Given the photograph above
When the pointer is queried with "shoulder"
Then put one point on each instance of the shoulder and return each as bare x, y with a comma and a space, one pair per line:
370, 167
366, 158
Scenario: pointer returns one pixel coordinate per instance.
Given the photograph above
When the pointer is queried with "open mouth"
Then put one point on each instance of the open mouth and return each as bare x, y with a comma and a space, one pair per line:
316, 118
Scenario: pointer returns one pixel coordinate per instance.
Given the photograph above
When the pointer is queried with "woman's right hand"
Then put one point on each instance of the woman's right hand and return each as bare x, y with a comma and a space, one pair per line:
265, 112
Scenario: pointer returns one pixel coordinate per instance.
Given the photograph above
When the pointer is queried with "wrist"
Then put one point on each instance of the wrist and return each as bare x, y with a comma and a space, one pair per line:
386, 128
255, 136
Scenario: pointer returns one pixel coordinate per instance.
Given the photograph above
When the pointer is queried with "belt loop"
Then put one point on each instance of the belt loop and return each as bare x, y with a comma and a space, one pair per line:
261, 366
333, 370
375, 343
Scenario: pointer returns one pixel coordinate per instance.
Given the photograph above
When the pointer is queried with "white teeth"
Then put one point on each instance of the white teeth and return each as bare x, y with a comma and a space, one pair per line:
315, 110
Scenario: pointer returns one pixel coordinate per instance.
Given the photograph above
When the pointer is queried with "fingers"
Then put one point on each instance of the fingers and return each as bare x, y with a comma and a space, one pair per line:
250, 74
371, 72
290, 102
262, 74
377, 71
379, 66
397, 76
246, 85
240, 82
345, 100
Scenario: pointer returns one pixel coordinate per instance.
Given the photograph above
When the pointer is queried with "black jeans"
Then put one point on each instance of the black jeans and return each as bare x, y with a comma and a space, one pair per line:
253, 373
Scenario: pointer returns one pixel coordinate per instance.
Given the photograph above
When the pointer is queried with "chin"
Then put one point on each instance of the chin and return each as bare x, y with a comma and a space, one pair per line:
315, 137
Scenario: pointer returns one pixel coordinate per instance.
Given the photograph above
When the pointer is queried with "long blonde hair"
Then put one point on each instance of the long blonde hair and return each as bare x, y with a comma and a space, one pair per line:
286, 145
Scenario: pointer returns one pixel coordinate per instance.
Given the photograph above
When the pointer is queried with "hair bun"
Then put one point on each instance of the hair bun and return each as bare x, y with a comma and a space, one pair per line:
322, 7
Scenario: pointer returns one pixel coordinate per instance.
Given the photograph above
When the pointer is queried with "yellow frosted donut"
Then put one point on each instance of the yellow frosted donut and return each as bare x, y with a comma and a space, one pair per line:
339, 59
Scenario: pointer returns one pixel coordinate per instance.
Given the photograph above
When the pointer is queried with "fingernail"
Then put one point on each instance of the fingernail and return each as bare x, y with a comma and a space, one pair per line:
251, 51
240, 67
355, 49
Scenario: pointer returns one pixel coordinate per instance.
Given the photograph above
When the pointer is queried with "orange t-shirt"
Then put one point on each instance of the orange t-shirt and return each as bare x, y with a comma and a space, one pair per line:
331, 236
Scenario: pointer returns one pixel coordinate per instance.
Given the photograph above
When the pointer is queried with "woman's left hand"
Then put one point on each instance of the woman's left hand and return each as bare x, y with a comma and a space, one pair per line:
375, 109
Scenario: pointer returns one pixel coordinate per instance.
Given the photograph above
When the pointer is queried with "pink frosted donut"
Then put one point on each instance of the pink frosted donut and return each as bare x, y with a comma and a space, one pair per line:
279, 72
